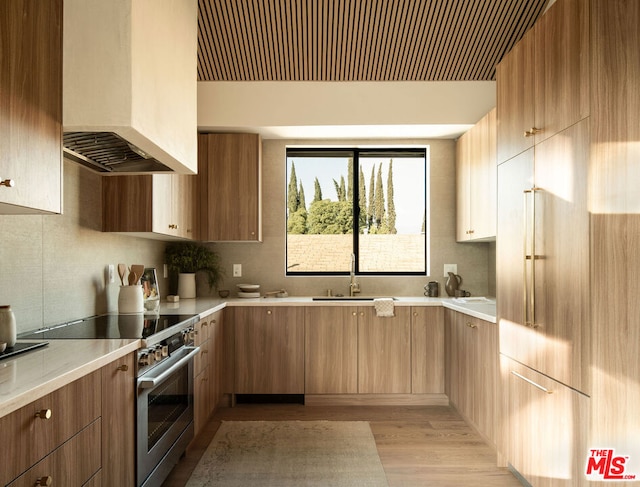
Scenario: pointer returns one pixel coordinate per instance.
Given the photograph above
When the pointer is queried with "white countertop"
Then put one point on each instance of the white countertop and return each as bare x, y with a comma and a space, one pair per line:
34, 374
29, 376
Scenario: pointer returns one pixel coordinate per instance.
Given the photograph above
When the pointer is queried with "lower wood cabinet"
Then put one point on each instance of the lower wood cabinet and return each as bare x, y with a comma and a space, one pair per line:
545, 427
269, 349
331, 350
472, 370
384, 352
80, 434
427, 350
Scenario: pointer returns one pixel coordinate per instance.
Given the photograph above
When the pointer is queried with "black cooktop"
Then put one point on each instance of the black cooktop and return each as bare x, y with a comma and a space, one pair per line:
113, 326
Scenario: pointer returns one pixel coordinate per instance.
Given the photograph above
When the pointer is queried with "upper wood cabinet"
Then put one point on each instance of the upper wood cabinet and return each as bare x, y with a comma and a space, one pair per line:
153, 205
543, 83
31, 106
476, 181
230, 187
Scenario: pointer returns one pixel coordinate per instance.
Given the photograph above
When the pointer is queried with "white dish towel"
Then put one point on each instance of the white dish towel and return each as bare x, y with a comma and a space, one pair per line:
384, 307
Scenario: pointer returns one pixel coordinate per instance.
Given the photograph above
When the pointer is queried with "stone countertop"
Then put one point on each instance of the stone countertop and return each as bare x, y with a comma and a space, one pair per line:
34, 374
29, 376
485, 310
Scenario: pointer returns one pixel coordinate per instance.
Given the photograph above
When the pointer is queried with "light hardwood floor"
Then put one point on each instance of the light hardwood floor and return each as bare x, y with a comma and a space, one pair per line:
418, 445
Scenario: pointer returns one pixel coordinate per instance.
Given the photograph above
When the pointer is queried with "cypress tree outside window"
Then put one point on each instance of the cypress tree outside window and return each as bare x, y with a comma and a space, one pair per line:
370, 202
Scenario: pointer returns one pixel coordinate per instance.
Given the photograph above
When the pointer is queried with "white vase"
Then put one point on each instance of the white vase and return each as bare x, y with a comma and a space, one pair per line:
130, 300
7, 326
186, 285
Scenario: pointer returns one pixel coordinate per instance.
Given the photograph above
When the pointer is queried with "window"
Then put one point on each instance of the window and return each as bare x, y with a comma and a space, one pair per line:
370, 202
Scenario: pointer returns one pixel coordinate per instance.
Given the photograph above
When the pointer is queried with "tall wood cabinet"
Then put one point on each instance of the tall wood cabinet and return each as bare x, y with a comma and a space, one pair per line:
31, 106
476, 181
150, 205
566, 302
230, 187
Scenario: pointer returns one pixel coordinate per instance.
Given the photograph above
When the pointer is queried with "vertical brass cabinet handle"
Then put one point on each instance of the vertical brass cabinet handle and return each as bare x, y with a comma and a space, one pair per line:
9, 183
123, 368
44, 414
268, 311
529, 381
44, 480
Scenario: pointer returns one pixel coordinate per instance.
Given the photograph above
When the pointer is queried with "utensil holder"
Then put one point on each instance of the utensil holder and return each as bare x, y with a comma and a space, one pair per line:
130, 300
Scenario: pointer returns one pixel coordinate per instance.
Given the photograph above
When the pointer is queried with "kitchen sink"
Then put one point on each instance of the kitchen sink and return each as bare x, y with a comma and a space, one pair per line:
350, 298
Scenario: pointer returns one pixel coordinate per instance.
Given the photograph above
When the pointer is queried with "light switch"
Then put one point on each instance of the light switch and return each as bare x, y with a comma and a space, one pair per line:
237, 270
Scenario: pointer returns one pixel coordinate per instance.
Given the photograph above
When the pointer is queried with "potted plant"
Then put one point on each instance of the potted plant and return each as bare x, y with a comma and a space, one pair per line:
187, 258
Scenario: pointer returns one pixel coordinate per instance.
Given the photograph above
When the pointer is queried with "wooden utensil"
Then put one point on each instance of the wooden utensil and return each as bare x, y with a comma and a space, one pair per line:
137, 270
121, 270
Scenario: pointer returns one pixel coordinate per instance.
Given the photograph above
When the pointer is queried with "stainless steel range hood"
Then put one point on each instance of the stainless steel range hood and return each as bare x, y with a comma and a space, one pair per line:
130, 95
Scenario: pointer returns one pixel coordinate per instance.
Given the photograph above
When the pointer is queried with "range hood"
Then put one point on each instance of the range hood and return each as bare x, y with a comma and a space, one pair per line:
130, 85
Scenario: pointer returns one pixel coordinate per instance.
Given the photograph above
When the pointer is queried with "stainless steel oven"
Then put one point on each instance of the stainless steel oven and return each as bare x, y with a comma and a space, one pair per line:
165, 416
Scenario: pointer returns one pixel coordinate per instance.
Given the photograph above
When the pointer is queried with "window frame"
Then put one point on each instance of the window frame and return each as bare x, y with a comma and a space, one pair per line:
356, 152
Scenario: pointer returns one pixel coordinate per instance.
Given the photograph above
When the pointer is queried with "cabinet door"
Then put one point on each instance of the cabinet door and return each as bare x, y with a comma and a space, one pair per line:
515, 99
229, 175
463, 184
427, 350
217, 358
561, 67
118, 422
31, 106
182, 204
331, 350
269, 350
546, 424
562, 278
384, 352
483, 180
485, 376
514, 178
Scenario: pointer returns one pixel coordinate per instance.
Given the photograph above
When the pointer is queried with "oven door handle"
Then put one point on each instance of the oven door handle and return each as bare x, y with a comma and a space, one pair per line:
151, 382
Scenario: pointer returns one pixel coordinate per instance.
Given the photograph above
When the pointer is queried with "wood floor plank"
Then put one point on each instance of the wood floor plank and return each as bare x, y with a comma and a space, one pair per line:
418, 445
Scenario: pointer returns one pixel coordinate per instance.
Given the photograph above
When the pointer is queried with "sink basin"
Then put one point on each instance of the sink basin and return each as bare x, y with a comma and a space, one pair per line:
349, 298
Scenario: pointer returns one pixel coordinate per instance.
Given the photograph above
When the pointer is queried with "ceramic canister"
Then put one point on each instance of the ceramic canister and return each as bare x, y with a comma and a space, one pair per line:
130, 299
7, 326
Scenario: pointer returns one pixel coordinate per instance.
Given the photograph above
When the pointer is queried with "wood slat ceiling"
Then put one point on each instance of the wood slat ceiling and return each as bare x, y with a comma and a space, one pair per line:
358, 40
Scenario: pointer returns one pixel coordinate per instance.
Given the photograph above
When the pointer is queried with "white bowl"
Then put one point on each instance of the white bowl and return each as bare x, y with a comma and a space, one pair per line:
247, 288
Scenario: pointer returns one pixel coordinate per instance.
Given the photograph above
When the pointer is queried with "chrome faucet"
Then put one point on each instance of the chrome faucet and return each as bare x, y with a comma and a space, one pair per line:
354, 287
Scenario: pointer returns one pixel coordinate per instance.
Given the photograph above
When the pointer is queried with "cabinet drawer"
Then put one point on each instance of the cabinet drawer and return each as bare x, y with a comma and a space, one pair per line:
201, 360
25, 438
70, 465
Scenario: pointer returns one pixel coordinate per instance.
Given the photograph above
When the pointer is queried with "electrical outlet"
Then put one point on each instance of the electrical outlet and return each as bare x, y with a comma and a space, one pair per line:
111, 270
237, 270
450, 268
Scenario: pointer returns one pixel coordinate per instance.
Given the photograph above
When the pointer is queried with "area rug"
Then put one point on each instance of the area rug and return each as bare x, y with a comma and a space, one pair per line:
290, 453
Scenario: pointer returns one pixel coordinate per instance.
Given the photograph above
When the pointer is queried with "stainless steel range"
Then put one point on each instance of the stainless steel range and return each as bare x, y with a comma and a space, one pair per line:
164, 382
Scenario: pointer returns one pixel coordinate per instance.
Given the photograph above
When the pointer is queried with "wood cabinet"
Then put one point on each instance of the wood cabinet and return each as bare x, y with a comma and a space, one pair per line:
384, 352
31, 106
547, 441
472, 376
208, 368
80, 434
331, 350
269, 350
543, 83
119, 422
230, 187
150, 205
476, 181
427, 350
548, 262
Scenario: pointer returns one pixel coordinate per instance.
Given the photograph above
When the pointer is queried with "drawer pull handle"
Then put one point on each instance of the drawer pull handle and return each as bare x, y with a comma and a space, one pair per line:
268, 311
9, 183
123, 368
543, 389
44, 480
44, 414
471, 325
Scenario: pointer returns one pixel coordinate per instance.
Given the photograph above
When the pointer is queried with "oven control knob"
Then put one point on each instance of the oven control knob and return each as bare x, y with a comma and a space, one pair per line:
165, 350
144, 359
157, 354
